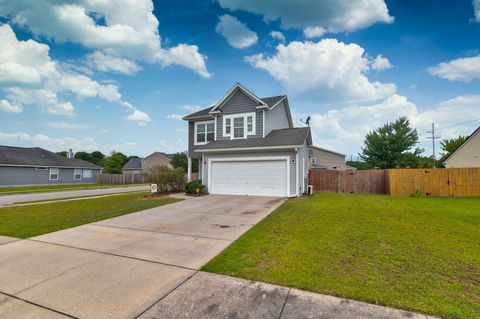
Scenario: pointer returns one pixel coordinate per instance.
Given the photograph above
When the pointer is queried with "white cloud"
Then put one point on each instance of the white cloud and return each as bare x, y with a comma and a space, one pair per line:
50, 79
50, 143
6, 106
175, 117
313, 32
333, 16
238, 35
187, 56
125, 147
108, 63
463, 69
380, 63
140, 117
121, 28
67, 126
328, 67
476, 10
277, 35
344, 129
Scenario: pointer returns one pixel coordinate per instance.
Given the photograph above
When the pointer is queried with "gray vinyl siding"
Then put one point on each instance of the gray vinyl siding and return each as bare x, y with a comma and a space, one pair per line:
293, 166
328, 160
276, 118
11, 175
191, 140
240, 103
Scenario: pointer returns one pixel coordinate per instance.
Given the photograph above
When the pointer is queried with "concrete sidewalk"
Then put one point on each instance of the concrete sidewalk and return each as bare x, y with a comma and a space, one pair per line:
9, 199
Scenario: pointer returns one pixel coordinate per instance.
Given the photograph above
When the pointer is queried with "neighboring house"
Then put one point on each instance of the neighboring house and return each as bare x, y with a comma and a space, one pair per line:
140, 165
321, 158
36, 166
467, 154
248, 145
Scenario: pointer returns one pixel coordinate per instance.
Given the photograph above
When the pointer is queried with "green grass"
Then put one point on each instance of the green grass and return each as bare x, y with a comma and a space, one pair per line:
34, 220
56, 188
419, 254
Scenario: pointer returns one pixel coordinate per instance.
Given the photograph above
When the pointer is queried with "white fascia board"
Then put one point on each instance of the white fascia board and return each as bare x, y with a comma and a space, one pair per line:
49, 166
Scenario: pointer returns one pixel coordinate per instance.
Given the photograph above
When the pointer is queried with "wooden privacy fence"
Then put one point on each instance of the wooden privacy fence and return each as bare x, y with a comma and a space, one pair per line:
118, 179
371, 181
454, 182
451, 182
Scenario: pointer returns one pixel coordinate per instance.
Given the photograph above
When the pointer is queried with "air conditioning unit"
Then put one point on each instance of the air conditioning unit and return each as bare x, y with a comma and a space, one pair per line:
310, 190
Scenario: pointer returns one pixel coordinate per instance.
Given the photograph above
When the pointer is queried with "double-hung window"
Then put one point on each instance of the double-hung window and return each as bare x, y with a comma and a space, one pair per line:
239, 125
77, 174
54, 174
204, 132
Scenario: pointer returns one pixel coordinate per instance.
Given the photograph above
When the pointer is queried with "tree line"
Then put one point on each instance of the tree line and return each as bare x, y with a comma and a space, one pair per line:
394, 145
113, 163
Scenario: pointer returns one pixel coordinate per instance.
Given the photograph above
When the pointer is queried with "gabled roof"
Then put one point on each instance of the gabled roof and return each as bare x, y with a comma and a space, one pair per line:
133, 163
282, 138
237, 87
199, 114
36, 156
477, 131
167, 156
325, 150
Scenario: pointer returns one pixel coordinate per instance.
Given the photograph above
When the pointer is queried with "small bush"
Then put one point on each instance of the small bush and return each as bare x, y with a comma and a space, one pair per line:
167, 179
418, 193
191, 187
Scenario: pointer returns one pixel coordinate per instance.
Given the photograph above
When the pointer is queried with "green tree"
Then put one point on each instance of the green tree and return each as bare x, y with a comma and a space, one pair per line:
97, 158
63, 153
180, 160
83, 156
113, 164
450, 145
391, 145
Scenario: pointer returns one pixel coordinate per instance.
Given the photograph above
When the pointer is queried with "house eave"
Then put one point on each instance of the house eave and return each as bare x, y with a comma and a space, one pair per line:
256, 148
54, 166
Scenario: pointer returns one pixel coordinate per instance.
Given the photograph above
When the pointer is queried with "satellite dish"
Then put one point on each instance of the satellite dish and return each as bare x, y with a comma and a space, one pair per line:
307, 121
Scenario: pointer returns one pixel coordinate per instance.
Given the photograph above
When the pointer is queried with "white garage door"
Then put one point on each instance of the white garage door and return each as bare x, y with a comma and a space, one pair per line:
255, 177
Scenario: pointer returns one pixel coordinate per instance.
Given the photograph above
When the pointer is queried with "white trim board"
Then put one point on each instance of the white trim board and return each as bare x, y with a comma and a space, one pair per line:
281, 147
252, 159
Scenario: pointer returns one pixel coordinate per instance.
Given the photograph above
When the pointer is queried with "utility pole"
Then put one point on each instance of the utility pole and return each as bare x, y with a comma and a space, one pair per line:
433, 138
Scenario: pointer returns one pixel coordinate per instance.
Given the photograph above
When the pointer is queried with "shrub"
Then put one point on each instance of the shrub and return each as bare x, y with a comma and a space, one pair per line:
167, 179
191, 187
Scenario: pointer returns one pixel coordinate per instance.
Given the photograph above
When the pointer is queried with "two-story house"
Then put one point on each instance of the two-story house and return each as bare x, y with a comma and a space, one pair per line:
142, 165
248, 145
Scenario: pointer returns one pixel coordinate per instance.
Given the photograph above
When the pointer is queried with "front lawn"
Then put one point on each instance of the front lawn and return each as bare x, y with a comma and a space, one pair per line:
38, 219
419, 254
56, 188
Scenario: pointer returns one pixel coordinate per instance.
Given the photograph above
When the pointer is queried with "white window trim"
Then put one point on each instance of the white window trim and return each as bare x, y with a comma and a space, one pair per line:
313, 160
245, 132
75, 170
50, 174
259, 158
195, 132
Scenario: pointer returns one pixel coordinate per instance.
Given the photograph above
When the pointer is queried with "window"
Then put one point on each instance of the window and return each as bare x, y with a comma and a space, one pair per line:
77, 174
313, 160
54, 174
144, 162
204, 132
228, 126
87, 173
241, 125
249, 124
238, 128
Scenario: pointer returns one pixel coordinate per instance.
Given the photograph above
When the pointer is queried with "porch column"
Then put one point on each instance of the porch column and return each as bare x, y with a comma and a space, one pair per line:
189, 170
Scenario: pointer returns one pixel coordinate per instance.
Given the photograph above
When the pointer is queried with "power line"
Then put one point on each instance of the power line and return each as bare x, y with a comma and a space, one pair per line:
458, 124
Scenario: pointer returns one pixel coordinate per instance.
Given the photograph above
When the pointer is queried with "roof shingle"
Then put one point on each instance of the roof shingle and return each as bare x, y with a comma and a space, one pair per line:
36, 156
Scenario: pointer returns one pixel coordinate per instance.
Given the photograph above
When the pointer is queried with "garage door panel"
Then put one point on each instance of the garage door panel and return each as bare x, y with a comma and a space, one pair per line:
267, 177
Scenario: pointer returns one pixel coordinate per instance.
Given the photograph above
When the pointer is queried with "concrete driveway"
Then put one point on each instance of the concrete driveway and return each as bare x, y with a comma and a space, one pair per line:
9, 199
121, 267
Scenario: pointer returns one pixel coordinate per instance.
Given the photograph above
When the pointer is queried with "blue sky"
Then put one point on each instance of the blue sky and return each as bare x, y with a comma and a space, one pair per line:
118, 75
